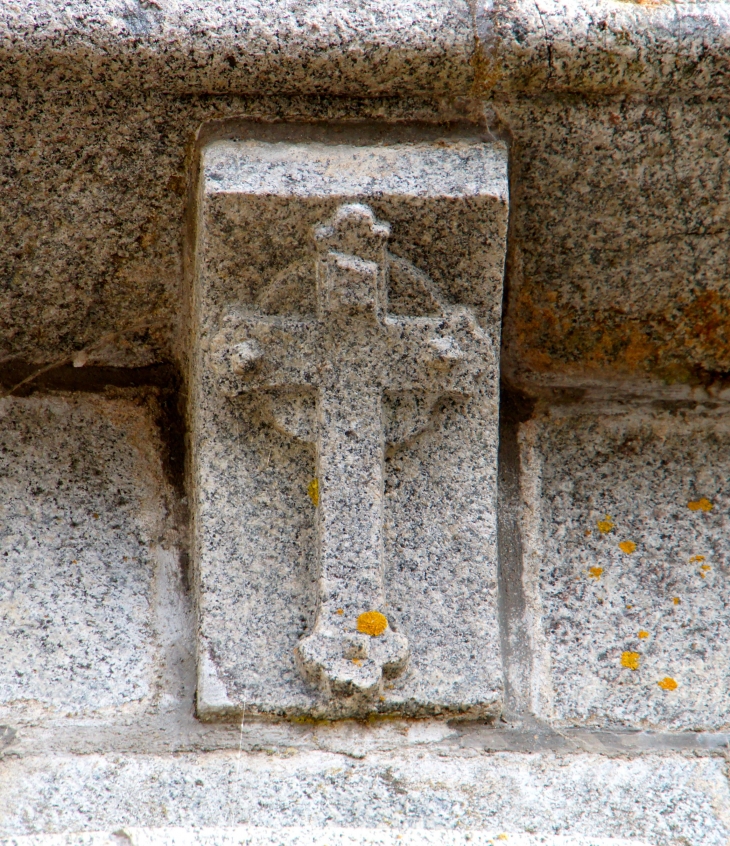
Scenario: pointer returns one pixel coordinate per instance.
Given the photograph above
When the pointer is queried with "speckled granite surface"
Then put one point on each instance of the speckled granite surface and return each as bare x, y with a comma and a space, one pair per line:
661, 800
323, 375
615, 118
620, 242
284, 46
90, 605
95, 259
603, 47
306, 836
626, 565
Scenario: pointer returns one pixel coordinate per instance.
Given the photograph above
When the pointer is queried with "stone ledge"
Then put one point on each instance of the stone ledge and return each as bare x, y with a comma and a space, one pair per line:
603, 47
304, 836
660, 799
184, 47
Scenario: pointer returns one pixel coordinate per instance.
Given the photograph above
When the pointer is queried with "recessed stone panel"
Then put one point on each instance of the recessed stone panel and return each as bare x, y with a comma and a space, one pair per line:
347, 307
626, 565
81, 519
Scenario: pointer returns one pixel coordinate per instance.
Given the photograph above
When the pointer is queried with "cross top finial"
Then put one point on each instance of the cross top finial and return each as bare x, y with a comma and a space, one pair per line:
354, 230
351, 265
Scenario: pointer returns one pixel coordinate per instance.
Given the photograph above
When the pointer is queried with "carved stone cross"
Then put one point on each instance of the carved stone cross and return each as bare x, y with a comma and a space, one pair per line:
350, 354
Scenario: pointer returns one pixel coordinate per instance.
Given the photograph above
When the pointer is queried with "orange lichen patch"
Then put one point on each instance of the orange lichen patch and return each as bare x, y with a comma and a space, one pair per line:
639, 349
643, 634
703, 330
357, 661
700, 505
588, 533
536, 329
605, 525
630, 660
595, 572
670, 341
627, 546
340, 611
676, 600
538, 360
703, 570
313, 491
629, 606
372, 623
668, 683
649, 3
695, 558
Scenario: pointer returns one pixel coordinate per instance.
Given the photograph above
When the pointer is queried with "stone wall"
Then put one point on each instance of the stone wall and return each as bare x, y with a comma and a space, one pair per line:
608, 721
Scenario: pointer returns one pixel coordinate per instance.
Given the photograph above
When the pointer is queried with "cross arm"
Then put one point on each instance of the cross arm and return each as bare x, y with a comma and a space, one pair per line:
253, 352
447, 354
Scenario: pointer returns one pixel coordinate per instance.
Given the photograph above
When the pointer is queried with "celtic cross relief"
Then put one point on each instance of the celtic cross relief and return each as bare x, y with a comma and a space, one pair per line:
334, 378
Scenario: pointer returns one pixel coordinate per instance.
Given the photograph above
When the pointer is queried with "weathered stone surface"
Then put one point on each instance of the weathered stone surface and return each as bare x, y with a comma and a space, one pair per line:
664, 800
637, 634
617, 275
306, 836
184, 47
89, 593
353, 348
603, 47
94, 148
92, 224
620, 244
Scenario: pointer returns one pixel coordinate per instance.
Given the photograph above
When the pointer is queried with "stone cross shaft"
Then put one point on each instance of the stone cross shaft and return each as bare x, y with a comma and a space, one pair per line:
351, 352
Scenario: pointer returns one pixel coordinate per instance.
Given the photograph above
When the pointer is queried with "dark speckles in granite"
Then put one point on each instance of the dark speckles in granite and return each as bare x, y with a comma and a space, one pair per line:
259, 555
595, 479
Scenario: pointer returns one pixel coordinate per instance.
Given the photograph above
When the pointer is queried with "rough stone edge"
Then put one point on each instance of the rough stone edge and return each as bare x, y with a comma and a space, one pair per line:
182, 47
305, 836
602, 46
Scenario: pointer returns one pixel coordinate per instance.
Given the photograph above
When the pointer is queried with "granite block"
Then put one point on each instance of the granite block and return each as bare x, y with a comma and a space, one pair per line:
88, 578
186, 47
347, 308
664, 800
306, 836
602, 47
95, 191
626, 565
619, 242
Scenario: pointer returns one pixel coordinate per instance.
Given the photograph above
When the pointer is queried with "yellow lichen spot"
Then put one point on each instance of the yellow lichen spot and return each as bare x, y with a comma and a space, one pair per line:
700, 505
696, 558
357, 662
340, 611
372, 623
630, 660
629, 606
643, 634
703, 570
605, 525
502, 837
627, 546
313, 491
676, 600
588, 533
595, 572
667, 683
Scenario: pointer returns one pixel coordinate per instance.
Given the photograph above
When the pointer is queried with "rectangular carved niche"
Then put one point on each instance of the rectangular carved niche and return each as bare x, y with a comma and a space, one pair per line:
344, 399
